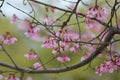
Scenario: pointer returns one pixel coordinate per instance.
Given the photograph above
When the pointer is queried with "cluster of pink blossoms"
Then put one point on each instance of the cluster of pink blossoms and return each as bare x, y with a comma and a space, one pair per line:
31, 55
31, 31
7, 38
108, 66
95, 12
62, 45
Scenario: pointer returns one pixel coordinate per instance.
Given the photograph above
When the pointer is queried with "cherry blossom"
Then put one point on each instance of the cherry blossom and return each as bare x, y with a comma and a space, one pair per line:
106, 67
71, 36
31, 56
103, 12
64, 43
117, 61
74, 48
92, 12
95, 12
32, 32
14, 19
30, 29
8, 39
37, 65
55, 51
59, 33
49, 43
63, 59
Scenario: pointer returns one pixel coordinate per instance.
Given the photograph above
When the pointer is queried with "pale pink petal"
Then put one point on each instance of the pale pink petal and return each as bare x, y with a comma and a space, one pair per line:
37, 65
63, 59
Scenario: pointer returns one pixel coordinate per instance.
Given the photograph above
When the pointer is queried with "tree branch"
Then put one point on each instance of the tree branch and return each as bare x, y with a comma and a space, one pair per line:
74, 66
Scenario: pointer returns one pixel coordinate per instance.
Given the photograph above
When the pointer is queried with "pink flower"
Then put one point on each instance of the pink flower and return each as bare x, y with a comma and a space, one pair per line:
31, 56
64, 43
63, 59
49, 43
1, 77
74, 48
110, 67
92, 12
37, 65
59, 33
32, 32
12, 77
55, 51
102, 14
85, 56
14, 19
117, 61
9, 41
97, 12
71, 36
106, 67
99, 71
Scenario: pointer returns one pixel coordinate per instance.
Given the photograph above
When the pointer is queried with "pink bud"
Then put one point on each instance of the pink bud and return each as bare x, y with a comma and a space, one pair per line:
14, 19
